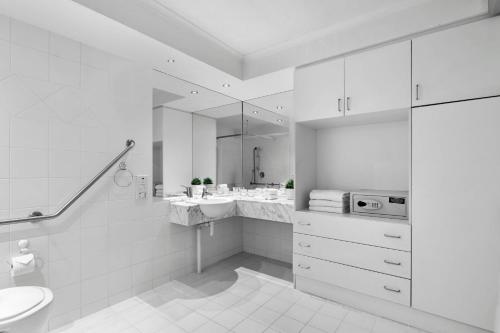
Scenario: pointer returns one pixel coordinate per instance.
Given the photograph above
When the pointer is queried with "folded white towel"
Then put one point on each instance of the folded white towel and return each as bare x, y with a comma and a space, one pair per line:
329, 209
328, 203
159, 187
334, 195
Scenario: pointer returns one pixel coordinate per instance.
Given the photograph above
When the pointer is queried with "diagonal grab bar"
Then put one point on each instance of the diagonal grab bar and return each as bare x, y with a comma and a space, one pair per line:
38, 216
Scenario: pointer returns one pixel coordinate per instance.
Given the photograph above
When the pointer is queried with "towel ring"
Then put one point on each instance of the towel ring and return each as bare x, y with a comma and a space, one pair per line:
123, 177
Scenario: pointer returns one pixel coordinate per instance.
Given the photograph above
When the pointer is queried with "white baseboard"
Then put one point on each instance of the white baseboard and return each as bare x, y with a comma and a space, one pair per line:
393, 311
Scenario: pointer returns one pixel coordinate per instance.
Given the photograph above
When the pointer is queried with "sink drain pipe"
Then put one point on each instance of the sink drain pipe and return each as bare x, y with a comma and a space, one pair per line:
211, 225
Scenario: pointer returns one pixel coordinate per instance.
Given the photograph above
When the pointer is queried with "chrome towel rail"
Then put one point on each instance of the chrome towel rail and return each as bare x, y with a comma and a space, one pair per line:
38, 216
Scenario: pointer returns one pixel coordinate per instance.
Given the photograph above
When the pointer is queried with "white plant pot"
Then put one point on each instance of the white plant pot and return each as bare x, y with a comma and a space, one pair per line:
290, 193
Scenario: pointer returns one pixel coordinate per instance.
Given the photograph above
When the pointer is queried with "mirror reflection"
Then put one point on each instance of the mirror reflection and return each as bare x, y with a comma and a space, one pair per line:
266, 140
201, 137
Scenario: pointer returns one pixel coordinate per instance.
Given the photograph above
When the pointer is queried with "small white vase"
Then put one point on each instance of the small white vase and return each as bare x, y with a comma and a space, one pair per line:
290, 193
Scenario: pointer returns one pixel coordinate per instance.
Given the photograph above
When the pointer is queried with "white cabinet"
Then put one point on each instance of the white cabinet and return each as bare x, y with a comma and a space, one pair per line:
378, 80
457, 64
389, 233
319, 91
384, 286
456, 215
373, 258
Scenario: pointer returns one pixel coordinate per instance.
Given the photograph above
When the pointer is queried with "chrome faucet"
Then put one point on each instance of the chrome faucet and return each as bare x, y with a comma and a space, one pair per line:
205, 193
188, 192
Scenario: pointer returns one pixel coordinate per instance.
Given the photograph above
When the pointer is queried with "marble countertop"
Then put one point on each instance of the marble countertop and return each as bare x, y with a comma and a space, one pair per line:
187, 213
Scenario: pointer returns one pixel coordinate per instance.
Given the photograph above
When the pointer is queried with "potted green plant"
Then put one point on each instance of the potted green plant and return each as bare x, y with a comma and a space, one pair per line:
197, 186
290, 189
209, 184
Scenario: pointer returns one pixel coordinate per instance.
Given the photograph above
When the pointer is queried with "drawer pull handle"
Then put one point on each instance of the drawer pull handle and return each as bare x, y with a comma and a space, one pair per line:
304, 223
392, 289
304, 244
304, 266
392, 236
396, 263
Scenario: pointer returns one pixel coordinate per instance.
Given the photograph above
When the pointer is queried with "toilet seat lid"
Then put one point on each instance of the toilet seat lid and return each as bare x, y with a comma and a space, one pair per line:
18, 300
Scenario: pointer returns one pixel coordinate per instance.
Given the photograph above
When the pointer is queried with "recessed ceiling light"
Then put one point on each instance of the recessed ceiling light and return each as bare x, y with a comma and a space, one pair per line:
226, 85
194, 92
171, 61
280, 107
280, 120
255, 112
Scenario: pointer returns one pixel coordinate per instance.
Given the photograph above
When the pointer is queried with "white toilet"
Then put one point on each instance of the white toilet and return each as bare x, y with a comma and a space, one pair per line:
24, 309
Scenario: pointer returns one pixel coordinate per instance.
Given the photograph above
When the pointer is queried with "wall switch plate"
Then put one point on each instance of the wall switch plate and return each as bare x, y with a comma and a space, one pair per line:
141, 187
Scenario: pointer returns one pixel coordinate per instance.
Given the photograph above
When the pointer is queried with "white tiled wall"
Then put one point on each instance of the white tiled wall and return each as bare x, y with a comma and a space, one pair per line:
225, 242
65, 110
268, 239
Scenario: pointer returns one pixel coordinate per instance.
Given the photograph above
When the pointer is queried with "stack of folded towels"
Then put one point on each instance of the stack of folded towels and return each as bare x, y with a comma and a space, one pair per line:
330, 201
159, 190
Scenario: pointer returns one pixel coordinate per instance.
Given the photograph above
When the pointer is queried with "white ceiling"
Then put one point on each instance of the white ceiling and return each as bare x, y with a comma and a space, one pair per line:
145, 32
253, 26
280, 103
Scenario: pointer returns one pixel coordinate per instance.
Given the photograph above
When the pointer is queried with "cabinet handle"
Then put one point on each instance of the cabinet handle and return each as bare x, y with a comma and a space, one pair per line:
339, 106
392, 263
304, 223
304, 266
392, 289
417, 92
392, 236
348, 103
304, 244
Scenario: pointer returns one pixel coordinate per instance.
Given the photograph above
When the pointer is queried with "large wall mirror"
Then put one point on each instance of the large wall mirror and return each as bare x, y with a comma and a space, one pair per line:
266, 140
200, 133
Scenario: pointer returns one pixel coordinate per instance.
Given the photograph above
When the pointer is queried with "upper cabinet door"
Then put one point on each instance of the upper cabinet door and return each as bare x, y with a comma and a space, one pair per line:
457, 64
319, 91
378, 80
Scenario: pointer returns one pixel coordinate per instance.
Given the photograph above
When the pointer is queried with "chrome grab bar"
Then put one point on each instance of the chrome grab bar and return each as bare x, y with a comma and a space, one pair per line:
38, 216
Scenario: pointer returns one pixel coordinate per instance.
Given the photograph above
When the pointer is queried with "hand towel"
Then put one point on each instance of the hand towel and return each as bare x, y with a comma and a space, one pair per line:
159, 187
328, 203
329, 209
334, 195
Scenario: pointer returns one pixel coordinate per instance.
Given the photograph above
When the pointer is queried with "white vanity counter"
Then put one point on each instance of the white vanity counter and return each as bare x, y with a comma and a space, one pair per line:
186, 211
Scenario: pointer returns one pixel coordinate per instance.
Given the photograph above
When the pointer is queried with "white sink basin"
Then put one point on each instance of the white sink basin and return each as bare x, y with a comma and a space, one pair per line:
215, 207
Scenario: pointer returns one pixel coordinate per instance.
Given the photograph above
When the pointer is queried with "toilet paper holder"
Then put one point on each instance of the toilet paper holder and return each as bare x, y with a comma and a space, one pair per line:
23, 246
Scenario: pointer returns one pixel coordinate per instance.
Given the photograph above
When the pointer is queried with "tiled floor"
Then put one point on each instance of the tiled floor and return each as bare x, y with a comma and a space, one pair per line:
243, 294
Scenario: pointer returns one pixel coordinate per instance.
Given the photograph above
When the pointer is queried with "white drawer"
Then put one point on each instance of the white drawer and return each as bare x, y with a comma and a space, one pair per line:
380, 285
374, 258
389, 233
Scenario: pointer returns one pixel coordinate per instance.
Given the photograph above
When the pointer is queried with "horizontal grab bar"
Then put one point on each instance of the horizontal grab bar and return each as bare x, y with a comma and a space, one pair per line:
38, 216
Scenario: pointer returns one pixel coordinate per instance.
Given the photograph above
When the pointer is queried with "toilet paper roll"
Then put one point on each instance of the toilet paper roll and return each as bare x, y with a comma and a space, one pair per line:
22, 265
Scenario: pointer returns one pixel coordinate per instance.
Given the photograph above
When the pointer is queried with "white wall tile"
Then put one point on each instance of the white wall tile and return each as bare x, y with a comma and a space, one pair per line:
27, 133
95, 58
61, 190
67, 103
94, 289
4, 28
29, 62
64, 272
29, 35
66, 299
94, 215
4, 194
15, 97
63, 135
4, 162
26, 193
29, 163
64, 245
64, 163
64, 48
119, 281
64, 71
4, 59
